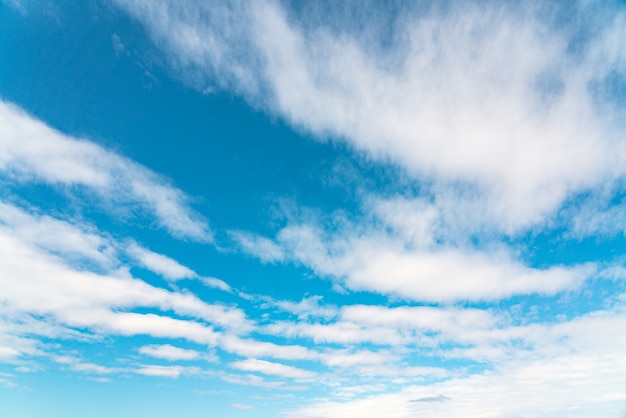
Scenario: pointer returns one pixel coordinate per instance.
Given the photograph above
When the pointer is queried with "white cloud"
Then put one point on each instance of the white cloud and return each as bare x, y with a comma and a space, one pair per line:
218, 45
449, 333
365, 259
47, 292
32, 151
20, 332
6, 380
271, 368
265, 249
56, 236
574, 366
152, 325
492, 97
352, 391
79, 366
216, 283
167, 371
347, 358
38, 283
8, 353
453, 275
420, 326
308, 307
159, 263
578, 386
254, 348
488, 109
255, 380
338, 333
597, 217
14, 346
419, 317
241, 406
417, 222
492, 110
169, 352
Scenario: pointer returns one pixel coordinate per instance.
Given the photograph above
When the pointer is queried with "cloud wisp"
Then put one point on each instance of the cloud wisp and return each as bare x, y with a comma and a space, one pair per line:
499, 99
34, 152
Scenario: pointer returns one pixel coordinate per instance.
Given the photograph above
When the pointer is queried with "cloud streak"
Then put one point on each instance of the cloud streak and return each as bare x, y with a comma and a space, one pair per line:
32, 151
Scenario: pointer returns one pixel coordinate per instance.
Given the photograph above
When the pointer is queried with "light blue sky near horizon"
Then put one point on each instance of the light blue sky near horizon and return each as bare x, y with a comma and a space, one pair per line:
312, 209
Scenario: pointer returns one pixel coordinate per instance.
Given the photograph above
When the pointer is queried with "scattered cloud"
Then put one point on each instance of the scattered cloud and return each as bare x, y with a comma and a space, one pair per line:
77, 365
308, 307
169, 352
241, 406
271, 368
546, 388
500, 123
167, 371
75, 241
494, 98
216, 284
264, 249
160, 264
374, 261
49, 291
35, 152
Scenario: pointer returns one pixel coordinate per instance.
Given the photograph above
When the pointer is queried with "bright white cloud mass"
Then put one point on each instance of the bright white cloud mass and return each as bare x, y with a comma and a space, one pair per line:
415, 209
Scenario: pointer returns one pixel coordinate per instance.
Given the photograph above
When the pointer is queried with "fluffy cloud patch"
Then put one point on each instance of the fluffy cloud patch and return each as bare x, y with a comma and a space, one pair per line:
167, 371
391, 264
169, 352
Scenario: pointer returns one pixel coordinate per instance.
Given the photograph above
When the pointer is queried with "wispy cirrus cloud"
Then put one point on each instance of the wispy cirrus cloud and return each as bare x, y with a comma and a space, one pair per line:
67, 281
19, 5
263, 248
271, 368
32, 151
496, 98
159, 263
167, 371
50, 292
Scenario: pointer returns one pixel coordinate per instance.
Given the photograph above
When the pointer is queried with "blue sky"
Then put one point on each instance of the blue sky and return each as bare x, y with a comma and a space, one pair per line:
312, 209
